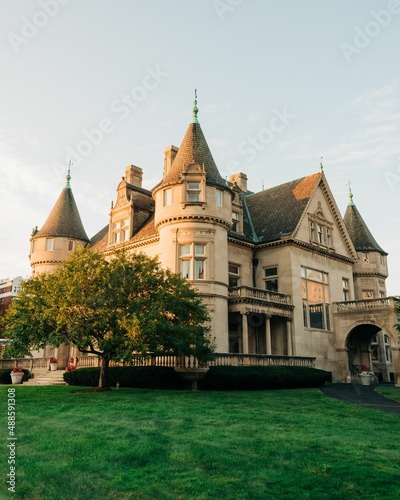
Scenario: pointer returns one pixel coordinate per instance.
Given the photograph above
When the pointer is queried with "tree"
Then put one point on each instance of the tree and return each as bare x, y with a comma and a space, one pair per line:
109, 308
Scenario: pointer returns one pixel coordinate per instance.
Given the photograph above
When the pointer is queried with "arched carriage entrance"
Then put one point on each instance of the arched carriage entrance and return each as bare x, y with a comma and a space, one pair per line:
369, 346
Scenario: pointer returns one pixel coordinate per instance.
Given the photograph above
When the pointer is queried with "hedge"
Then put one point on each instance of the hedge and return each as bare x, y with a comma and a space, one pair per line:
226, 378
249, 378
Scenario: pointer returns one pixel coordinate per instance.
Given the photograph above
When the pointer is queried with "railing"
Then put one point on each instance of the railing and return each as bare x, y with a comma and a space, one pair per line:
364, 305
247, 292
261, 360
220, 359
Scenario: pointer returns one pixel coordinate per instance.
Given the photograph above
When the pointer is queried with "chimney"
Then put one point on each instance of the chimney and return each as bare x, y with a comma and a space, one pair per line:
169, 157
240, 179
134, 175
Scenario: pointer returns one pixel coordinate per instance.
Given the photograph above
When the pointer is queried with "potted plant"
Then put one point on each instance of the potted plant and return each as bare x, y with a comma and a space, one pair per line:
16, 375
53, 363
366, 375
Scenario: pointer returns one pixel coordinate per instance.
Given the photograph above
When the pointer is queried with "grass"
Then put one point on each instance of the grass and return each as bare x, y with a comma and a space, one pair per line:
152, 444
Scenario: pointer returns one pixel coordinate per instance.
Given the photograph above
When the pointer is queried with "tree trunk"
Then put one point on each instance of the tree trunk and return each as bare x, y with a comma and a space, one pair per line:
104, 382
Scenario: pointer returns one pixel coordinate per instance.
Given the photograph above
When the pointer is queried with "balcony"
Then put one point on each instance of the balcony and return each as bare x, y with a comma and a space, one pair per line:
387, 304
267, 301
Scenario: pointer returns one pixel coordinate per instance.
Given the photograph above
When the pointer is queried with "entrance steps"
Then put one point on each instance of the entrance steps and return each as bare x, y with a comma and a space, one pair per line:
46, 377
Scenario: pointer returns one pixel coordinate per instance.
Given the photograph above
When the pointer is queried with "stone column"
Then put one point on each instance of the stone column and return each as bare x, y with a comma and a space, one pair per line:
245, 335
289, 336
268, 344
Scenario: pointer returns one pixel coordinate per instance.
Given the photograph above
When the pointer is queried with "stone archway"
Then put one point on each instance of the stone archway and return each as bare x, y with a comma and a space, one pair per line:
358, 345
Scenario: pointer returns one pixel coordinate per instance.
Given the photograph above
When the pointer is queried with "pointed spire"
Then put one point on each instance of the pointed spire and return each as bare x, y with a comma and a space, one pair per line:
195, 109
360, 235
321, 167
64, 219
351, 202
194, 150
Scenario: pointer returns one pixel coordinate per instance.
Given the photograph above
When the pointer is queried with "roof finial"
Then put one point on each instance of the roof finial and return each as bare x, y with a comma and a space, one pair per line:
195, 108
68, 185
321, 167
351, 202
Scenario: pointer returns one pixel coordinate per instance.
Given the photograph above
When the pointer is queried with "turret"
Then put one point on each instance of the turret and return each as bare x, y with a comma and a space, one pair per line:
370, 271
60, 235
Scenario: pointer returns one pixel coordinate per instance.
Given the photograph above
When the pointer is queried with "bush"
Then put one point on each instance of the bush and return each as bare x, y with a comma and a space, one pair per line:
250, 378
5, 377
145, 377
228, 378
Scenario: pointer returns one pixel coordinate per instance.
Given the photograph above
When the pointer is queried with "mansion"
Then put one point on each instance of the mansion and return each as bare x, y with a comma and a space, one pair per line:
281, 271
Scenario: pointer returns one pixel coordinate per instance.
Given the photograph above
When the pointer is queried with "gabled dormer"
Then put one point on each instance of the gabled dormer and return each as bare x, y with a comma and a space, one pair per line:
133, 207
370, 271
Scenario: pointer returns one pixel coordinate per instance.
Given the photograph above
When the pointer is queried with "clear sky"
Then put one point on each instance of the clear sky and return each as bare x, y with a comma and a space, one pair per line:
107, 83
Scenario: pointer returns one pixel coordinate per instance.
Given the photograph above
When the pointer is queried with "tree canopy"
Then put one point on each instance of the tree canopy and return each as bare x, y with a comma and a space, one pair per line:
110, 308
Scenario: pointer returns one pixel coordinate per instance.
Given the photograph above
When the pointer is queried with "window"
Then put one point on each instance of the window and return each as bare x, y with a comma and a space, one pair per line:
167, 197
218, 198
49, 244
345, 285
234, 275
365, 258
271, 279
71, 245
320, 230
316, 298
193, 261
235, 222
193, 191
388, 350
120, 231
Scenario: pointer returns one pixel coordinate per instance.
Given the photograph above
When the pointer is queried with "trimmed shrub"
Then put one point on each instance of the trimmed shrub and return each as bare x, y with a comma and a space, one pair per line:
250, 378
220, 378
146, 377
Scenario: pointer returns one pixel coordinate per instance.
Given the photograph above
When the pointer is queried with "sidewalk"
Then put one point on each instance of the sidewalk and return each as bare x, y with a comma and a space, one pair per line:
361, 395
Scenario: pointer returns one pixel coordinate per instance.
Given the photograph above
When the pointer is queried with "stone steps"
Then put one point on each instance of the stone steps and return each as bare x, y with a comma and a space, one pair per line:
47, 378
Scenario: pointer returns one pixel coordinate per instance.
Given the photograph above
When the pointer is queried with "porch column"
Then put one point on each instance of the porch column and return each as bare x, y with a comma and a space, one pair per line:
289, 336
245, 335
268, 334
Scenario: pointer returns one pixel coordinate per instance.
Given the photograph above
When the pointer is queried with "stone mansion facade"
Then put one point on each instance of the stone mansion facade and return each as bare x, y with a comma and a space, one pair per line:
281, 271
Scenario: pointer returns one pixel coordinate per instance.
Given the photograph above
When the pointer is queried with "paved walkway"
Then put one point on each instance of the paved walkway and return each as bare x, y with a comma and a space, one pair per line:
361, 395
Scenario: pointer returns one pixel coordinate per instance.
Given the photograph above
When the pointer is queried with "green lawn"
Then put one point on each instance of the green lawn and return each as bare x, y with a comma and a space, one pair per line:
150, 444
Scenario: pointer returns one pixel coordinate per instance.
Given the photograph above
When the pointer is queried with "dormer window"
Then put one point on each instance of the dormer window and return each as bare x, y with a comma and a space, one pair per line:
235, 222
320, 229
120, 231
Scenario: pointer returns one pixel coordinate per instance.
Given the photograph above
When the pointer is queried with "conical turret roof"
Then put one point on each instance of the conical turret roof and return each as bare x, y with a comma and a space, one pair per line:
194, 150
360, 235
64, 219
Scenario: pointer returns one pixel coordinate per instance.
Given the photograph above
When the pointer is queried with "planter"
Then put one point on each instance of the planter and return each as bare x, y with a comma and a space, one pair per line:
366, 378
192, 375
53, 366
16, 377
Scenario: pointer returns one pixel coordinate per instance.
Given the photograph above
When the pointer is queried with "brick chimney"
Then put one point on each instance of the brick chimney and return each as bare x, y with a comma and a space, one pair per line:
134, 175
240, 179
169, 157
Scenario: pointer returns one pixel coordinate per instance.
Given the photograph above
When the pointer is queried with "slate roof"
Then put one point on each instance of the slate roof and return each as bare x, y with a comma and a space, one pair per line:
360, 235
276, 212
194, 149
64, 219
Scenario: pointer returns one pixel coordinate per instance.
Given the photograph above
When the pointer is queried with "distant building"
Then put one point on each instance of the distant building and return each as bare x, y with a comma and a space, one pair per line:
281, 271
9, 288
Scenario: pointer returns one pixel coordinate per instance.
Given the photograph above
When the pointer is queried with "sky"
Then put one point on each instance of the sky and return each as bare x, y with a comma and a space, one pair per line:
280, 84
